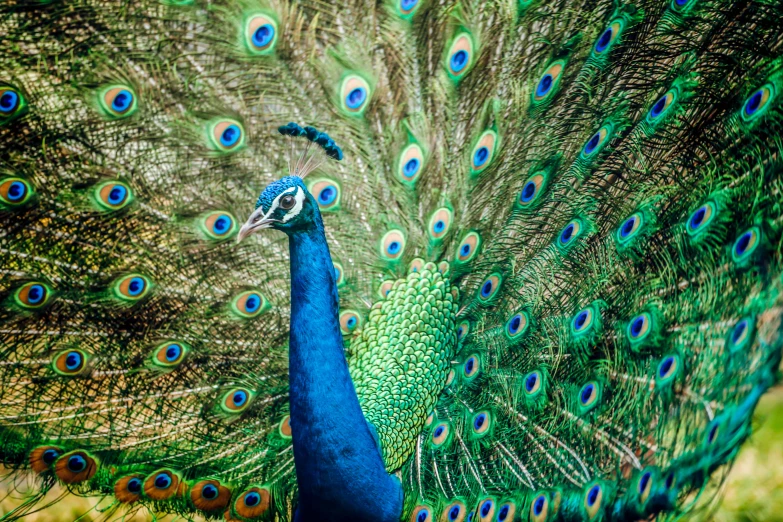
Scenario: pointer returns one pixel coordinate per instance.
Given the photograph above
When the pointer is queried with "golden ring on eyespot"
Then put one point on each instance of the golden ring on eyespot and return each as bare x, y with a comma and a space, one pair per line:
639, 327
339, 274
227, 134
593, 500
132, 287
600, 47
75, 467
326, 193
429, 420
350, 321
42, 458
539, 508
588, 394
582, 320
15, 191
460, 56
285, 427
531, 190
755, 105
253, 503
236, 400
260, 34
511, 512
471, 366
629, 227
355, 94
644, 486
484, 151
128, 489
463, 330
418, 511
448, 511
113, 195
489, 288
701, 217
219, 225
668, 367
468, 247
119, 100
544, 87
385, 288
210, 495
32, 295
658, 110
486, 510
596, 142
250, 303
440, 223
532, 382
170, 354
162, 484
392, 245
410, 163
516, 325
416, 265
70, 362
481, 422
440, 433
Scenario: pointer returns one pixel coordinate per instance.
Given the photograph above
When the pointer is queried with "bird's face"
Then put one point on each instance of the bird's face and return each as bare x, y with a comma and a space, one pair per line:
284, 205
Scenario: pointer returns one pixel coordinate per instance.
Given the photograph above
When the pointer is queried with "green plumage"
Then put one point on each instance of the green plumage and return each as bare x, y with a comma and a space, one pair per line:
558, 254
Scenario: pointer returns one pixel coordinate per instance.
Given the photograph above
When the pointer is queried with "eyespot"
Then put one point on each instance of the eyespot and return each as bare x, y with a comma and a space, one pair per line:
582, 321
218, 225
506, 512
533, 384
593, 500
410, 163
339, 274
421, 513
75, 467
162, 485
210, 495
483, 152
70, 362
385, 288
668, 369
741, 335
596, 142
481, 423
326, 193
701, 218
549, 81
392, 245
589, 395
539, 508
260, 34
662, 106
132, 287
460, 56
516, 325
486, 510
608, 37
532, 190
440, 223
253, 503
416, 265
463, 330
489, 288
15, 191
468, 247
112, 195
630, 228
454, 512
170, 354
745, 245
758, 102
43, 457
355, 94
570, 232
639, 328
249, 304
471, 367
670, 482
32, 295
226, 135
117, 101
441, 434
12, 103
285, 427
407, 8
350, 320
236, 400
128, 488
644, 486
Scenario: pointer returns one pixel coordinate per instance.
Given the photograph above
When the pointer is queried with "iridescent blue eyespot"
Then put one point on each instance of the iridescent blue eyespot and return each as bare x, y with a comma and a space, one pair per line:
252, 499
549, 81
226, 135
758, 102
117, 101
407, 7
471, 367
260, 34
122, 101
741, 335
14, 191
162, 481
50, 455
459, 57
701, 218
263, 35
459, 60
8, 101
489, 288
76, 464
230, 136
668, 369
589, 396
73, 360
134, 485
608, 37
570, 232
481, 156
356, 97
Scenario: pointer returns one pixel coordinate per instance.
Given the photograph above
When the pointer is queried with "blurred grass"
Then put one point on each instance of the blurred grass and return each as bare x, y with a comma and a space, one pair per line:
753, 491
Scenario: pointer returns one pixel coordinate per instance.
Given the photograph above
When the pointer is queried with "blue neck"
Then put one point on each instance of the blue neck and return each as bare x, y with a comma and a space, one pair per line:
339, 469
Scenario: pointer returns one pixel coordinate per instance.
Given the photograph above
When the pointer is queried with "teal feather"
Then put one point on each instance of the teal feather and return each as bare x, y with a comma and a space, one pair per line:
139, 340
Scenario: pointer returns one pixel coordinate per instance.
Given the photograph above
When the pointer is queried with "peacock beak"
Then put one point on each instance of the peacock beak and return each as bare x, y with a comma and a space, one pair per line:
257, 221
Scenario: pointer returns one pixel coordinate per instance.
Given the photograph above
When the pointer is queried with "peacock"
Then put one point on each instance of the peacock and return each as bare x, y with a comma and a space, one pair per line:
418, 260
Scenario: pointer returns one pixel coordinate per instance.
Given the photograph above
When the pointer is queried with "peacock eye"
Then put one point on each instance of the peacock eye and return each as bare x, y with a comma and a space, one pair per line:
287, 202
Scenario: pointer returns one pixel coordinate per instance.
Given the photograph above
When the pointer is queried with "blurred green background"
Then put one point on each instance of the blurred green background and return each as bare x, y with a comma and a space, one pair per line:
752, 493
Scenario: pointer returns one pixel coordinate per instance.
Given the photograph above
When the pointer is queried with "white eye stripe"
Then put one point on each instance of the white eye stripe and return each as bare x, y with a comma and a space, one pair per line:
297, 208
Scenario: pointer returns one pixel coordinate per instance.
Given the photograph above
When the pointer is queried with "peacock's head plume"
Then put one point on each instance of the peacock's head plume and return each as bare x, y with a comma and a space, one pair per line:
286, 204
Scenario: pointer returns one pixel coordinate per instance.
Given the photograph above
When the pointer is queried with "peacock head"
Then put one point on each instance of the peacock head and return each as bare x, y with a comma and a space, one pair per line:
286, 204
